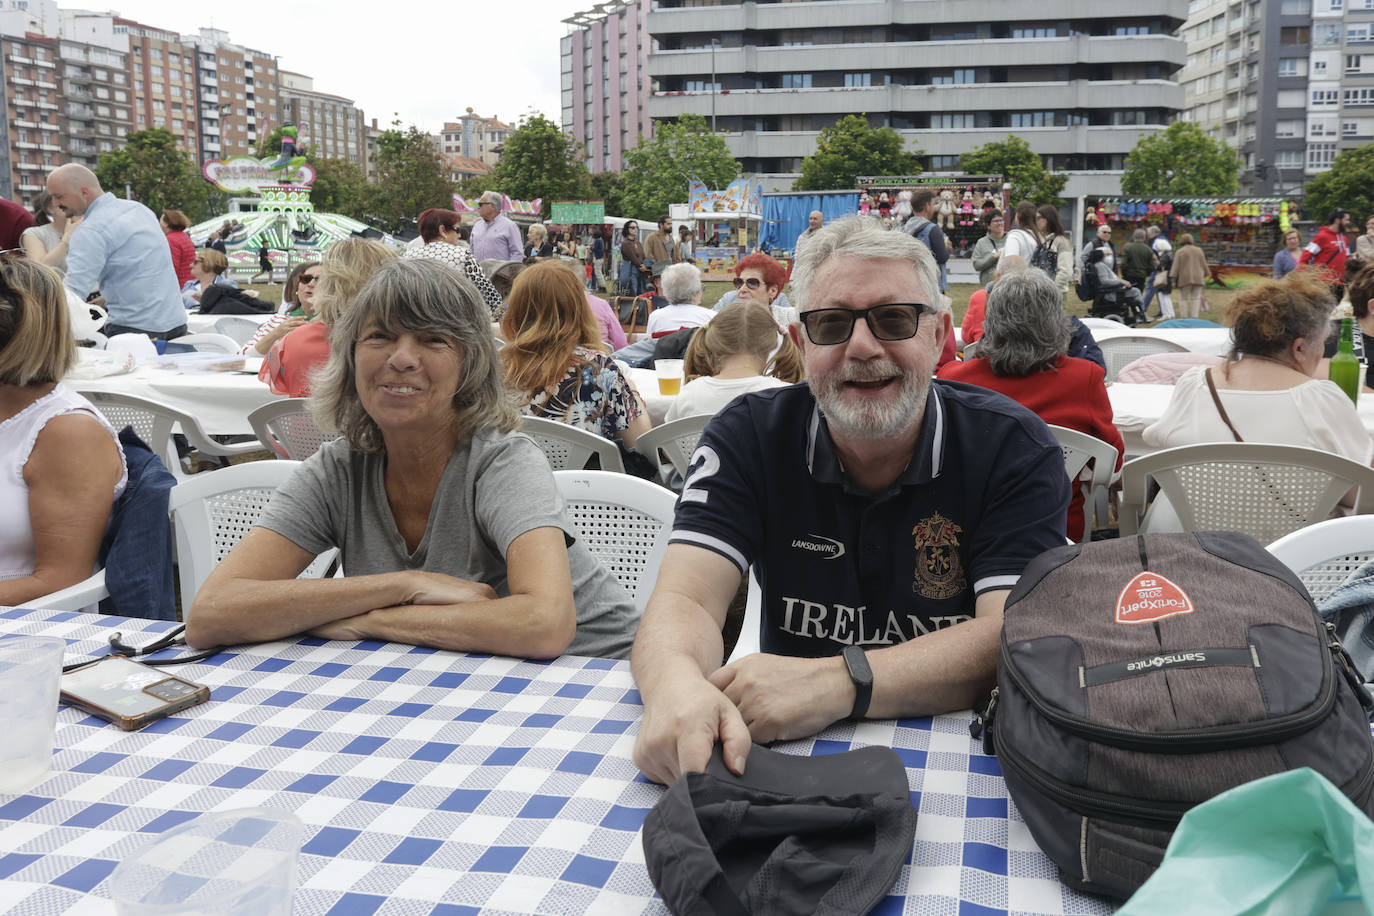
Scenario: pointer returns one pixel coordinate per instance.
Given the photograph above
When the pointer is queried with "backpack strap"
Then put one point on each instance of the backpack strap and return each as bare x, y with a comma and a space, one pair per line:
1216, 399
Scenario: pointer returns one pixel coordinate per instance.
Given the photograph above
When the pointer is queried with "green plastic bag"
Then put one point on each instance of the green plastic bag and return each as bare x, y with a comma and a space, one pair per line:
1290, 843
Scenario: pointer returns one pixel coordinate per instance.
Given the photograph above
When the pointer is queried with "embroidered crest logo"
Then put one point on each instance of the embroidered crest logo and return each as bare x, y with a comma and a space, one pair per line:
1150, 597
939, 573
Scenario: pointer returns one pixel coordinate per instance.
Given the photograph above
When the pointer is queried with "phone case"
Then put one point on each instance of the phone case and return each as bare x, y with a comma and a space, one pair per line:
128, 693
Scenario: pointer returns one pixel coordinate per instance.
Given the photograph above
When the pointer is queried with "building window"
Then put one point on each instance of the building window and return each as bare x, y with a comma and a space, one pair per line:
1357, 34
951, 121
1363, 96
964, 76
855, 80
1292, 66
1350, 129
942, 163
1288, 159
1031, 119
1319, 155
1325, 98
796, 81
1353, 63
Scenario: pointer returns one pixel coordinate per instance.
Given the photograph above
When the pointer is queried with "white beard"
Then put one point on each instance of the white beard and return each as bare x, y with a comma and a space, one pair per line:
870, 418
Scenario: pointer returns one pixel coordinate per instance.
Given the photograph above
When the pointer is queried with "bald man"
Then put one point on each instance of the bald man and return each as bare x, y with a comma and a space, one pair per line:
120, 250
814, 222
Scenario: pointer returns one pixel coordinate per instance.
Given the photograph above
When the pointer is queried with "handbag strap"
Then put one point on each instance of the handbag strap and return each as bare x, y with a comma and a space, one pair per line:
1216, 399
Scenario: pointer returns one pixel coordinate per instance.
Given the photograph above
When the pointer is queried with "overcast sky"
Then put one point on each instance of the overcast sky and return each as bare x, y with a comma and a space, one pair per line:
424, 62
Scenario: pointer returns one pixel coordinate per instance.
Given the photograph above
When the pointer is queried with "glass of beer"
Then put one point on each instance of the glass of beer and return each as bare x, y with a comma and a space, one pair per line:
669, 375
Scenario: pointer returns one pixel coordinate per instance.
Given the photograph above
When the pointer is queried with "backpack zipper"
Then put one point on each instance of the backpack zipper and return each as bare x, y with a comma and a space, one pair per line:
1211, 738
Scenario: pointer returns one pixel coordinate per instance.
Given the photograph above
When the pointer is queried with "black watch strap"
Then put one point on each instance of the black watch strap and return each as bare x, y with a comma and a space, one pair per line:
862, 675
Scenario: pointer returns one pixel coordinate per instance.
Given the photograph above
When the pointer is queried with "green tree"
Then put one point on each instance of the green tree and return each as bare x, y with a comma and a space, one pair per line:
1180, 161
1019, 166
1348, 185
341, 187
410, 178
850, 148
156, 171
657, 169
608, 187
539, 160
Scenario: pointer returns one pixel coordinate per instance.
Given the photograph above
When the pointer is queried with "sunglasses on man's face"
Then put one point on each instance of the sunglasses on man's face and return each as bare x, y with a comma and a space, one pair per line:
891, 321
751, 282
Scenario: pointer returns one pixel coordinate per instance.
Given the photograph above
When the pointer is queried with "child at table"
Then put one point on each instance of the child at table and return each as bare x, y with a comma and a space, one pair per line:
741, 350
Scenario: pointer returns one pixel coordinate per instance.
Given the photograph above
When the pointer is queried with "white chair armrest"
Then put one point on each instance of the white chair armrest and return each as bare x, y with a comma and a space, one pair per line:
73, 597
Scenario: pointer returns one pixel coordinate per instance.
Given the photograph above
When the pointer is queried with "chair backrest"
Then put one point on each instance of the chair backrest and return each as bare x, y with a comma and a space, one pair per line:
152, 421
211, 512
237, 328
1120, 351
624, 521
208, 343
1265, 491
1079, 450
1325, 554
287, 428
677, 440
569, 448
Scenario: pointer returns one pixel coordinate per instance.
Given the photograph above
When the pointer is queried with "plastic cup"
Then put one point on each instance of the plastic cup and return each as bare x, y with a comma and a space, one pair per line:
30, 667
669, 373
231, 863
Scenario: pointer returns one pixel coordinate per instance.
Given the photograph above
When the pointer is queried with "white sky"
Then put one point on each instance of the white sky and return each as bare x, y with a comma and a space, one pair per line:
424, 62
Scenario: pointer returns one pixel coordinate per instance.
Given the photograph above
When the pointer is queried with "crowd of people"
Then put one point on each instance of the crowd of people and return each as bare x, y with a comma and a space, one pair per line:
843, 425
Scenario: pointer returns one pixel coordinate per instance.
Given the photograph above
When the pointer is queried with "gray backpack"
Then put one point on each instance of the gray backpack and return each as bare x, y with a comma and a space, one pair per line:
1141, 676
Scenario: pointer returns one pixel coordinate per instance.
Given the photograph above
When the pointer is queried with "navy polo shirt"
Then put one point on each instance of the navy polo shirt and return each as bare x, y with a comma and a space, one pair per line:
984, 493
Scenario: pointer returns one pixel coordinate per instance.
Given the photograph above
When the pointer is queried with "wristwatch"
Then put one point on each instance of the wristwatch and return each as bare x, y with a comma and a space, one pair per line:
862, 676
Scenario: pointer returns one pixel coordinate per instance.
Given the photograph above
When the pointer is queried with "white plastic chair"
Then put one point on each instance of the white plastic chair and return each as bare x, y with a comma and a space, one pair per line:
748, 641
1265, 491
208, 343
153, 421
1325, 554
677, 440
569, 448
211, 512
287, 429
1080, 449
624, 521
1118, 352
74, 597
237, 328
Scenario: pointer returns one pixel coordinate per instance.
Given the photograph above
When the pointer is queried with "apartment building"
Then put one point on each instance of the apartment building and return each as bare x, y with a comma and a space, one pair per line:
604, 60
96, 100
32, 139
162, 75
236, 95
1286, 83
329, 124
1081, 83
473, 137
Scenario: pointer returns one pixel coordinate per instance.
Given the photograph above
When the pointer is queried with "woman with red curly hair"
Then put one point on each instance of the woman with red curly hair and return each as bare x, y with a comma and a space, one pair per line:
439, 230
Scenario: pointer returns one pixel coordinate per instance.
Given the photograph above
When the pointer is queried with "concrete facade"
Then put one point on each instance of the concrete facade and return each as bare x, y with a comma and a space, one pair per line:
96, 99
162, 76
32, 125
236, 94
1286, 83
1081, 83
604, 66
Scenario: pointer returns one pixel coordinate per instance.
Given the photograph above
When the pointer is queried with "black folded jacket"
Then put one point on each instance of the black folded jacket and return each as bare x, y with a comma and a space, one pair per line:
793, 835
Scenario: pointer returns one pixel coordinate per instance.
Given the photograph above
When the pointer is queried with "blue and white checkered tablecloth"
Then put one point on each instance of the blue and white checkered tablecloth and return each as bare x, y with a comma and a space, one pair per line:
436, 782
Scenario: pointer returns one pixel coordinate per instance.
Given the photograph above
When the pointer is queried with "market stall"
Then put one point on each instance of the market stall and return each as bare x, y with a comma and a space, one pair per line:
726, 224
961, 202
1239, 232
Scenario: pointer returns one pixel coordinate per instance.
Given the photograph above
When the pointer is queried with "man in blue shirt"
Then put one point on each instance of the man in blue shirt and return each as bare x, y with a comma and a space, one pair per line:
121, 250
886, 518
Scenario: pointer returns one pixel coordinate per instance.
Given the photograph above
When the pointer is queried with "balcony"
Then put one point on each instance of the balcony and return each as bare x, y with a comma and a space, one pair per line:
20, 81
23, 144
20, 59
44, 85
29, 166
80, 111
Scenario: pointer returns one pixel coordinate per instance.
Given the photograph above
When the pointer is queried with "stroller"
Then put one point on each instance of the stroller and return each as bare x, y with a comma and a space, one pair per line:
1111, 298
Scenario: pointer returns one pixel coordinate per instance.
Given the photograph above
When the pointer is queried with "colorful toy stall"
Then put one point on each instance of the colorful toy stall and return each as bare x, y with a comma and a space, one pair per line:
961, 202
1242, 232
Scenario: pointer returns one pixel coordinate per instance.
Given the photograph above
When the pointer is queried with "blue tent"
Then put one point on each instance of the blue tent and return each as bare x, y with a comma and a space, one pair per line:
785, 215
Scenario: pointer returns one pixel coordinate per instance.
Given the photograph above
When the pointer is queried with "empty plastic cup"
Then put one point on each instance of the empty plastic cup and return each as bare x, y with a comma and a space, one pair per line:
234, 863
669, 373
30, 667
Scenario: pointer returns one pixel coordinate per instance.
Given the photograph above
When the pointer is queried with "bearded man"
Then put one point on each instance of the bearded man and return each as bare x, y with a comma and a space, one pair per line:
886, 519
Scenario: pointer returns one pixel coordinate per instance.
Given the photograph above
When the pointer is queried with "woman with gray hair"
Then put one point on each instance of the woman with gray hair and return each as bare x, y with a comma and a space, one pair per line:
1023, 355
682, 289
451, 528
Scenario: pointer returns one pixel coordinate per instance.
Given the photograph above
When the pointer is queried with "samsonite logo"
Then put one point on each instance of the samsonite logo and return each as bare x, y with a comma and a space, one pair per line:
1163, 661
1150, 597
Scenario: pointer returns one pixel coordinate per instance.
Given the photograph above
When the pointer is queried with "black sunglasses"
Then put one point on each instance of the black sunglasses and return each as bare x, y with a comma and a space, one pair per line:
752, 282
308, 278
890, 321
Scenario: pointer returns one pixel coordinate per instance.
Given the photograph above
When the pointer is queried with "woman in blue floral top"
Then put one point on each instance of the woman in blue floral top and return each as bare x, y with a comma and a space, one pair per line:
554, 363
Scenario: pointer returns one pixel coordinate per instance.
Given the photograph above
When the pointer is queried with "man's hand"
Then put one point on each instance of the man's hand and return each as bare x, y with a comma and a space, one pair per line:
780, 697
436, 588
677, 736
348, 628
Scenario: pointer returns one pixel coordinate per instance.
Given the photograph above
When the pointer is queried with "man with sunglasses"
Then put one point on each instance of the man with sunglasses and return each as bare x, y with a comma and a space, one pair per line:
886, 518
121, 250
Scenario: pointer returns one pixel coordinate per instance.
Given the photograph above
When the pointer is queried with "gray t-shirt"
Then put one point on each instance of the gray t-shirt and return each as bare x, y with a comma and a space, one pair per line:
492, 492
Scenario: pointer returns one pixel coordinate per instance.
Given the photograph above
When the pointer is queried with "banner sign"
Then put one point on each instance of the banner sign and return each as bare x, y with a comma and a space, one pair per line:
246, 175
740, 196
577, 213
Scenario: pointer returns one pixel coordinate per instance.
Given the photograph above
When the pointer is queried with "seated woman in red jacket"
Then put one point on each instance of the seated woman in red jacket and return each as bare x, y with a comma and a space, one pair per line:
1022, 354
